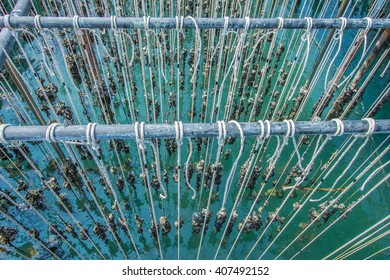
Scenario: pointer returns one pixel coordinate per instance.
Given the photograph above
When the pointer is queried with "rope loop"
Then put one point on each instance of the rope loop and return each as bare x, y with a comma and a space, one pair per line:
309, 25
146, 24
2, 136
222, 133
280, 24
371, 127
142, 132
262, 129
179, 132
114, 25
225, 25
50, 132
37, 23
219, 131
76, 22
288, 132
7, 23
268, 124
91, 136
247, 23
181, 23
138, 138
369, 24
292, 125
340, 31
239, 128
340, 127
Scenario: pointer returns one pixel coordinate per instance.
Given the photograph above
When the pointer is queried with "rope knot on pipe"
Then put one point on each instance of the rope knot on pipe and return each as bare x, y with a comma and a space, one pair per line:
91, 136
280, 24
146, 24
225, 25
7, 22
371, 127
50, 132
139, 135
337, 35
3, 140
290, 132
179, 132
114, 25
309, 25
179, 25
262, 129
369, 24
37, 23
76, 22
268, 124
340, 127
222, 133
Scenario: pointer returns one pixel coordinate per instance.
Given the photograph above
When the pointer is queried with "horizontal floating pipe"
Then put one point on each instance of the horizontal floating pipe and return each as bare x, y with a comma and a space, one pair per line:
193, 130
203, 23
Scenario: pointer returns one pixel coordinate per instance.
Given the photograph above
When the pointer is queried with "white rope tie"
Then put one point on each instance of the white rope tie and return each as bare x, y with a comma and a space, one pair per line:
371, 127
76, 22
142, 132
139, 134
337, 35
37, 23
146, 24
179, 24
288, 132
247, 23
268, 124
219, 132
262, 129
225, 25
179, 132
280, 24
340, 127
50, 132
369, 24
91, 136
114, 25
2, 136
136, 134
7, 23
306, 35
292, 125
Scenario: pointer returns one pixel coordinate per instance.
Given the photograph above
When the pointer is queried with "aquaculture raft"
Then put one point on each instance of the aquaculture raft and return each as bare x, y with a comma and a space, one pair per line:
257, 129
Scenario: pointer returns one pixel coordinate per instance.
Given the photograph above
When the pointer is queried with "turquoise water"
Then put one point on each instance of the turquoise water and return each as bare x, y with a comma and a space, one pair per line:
82, 203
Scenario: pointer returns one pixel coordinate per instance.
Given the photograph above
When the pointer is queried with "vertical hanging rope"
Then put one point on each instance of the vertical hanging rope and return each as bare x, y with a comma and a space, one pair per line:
221, 137
139, 129
187, 165
179, 141
234, 166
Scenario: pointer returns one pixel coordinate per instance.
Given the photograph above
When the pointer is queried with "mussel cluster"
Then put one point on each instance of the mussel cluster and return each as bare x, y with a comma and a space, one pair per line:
199, 218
